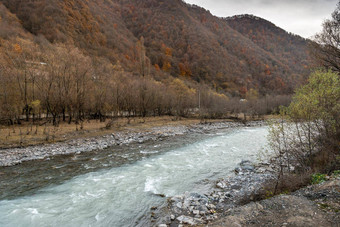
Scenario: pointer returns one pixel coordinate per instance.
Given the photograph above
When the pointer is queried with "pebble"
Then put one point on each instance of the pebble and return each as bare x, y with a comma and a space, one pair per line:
195, 208
14, 156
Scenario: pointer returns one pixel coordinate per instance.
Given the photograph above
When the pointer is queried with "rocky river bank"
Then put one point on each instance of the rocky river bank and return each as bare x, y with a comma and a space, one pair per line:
312, 206
227, 194
230, 203
14, 156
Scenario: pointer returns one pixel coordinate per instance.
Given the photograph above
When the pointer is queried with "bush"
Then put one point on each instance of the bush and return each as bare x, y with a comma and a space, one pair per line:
336, 173
306, 140
308, 136
318, 178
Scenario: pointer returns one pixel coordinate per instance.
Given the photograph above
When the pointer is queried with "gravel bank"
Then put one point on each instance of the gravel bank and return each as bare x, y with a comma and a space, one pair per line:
14, 156
227, 194
227, 204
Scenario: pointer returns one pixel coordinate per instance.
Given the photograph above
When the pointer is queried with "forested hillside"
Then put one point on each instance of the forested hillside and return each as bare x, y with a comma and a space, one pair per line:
287, 48
161, 44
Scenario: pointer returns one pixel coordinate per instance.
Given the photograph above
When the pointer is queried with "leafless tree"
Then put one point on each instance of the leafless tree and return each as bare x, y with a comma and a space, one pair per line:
326, 48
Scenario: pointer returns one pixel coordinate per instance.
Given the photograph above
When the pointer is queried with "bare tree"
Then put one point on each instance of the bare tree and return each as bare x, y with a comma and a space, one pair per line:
326, 48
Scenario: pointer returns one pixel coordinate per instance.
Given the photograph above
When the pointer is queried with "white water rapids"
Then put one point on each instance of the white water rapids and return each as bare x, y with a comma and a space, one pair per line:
123, 196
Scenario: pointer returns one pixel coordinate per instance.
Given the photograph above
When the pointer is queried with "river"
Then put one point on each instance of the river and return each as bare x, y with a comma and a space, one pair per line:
119, 185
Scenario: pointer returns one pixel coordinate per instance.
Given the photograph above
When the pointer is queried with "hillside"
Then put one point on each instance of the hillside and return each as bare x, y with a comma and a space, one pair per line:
185, 41
286, 47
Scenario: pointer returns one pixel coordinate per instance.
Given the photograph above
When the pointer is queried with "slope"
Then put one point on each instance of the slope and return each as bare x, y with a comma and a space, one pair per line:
180, 40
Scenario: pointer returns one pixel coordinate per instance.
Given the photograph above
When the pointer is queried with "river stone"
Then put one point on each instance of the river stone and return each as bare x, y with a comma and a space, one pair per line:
166, 220
238, 170
189, 220
261, 170
202, 213
220, 206
248, 168
211, 206
197, 196
177, 210
246, 163
176, 198
203, 208
236, 187
221, 185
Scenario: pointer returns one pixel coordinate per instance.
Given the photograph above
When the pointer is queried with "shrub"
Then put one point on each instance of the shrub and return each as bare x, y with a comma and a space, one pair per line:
308, 136
318, 178
336, 173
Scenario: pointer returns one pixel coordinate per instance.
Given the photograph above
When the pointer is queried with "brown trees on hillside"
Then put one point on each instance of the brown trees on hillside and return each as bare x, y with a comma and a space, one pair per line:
60, 82
179, 40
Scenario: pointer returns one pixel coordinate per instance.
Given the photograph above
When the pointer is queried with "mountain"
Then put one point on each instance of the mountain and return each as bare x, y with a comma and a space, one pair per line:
233, 55
286, 47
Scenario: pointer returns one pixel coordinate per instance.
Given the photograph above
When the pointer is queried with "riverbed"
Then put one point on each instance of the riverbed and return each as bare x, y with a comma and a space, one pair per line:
119, 185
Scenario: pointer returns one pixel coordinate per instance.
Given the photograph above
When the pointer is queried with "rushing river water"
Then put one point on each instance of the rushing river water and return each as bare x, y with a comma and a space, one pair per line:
118, 186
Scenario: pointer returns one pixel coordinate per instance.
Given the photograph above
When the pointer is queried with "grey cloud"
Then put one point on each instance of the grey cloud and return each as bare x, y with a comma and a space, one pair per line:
302, 17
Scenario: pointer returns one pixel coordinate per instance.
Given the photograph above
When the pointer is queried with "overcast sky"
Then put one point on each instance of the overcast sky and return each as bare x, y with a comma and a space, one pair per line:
302, 17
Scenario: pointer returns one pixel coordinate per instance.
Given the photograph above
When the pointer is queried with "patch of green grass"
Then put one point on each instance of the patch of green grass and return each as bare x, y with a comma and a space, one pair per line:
285, 192
336, 173
318, 178
323, 205
269, 194
327, 207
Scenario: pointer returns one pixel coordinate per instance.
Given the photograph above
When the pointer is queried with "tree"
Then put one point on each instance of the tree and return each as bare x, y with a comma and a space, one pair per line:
144, 63
183, 97
310, 136
326, 48
319, 102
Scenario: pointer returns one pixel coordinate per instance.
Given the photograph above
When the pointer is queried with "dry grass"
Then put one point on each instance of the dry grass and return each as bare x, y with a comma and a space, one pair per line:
28, 134
286, 184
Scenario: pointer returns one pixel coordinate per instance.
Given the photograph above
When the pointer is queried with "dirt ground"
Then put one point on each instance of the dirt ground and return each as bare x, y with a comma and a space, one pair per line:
28, 134
313, 206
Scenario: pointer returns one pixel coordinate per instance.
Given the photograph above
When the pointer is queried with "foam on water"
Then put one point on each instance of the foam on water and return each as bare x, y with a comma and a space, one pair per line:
149, 152
122, 196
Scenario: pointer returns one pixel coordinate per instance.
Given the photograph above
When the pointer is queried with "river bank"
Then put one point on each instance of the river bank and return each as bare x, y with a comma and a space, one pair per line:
223, 202
225, 195
312, 206
119, 185
14, 156
230, 203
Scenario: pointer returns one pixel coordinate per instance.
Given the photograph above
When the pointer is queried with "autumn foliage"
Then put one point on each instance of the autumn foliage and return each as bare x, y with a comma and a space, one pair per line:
74, 59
